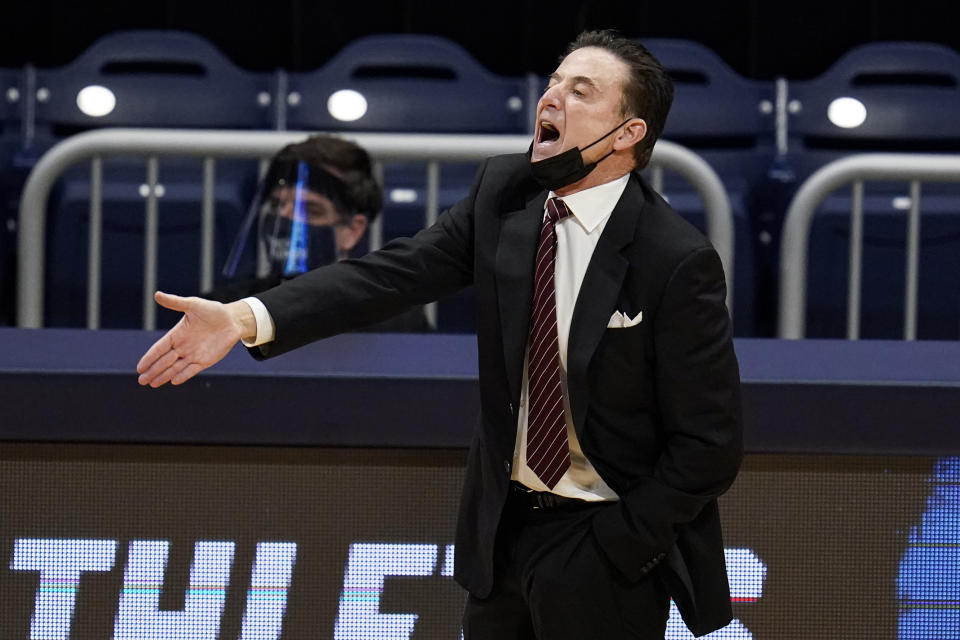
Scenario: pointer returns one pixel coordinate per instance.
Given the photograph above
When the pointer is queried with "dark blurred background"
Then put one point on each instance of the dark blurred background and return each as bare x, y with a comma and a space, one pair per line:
758, 39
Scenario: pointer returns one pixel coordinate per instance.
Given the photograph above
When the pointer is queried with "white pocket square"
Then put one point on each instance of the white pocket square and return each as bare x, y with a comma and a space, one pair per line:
621, 321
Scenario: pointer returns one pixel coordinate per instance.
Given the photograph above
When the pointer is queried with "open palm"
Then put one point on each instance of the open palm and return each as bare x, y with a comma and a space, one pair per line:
203, 336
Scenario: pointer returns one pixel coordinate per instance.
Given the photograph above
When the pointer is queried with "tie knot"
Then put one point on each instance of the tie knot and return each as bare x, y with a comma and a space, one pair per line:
557, 209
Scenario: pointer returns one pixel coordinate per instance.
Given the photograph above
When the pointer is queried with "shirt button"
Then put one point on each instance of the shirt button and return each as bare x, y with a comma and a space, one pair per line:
506, 465
510, 407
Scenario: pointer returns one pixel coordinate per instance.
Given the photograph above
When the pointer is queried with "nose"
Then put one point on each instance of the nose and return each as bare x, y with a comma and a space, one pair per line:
549, 98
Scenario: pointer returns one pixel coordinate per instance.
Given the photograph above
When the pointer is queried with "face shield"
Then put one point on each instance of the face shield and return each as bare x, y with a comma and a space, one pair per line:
290, 227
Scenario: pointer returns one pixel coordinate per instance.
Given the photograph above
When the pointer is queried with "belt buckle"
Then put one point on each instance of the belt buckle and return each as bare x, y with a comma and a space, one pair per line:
533, 498
545, 501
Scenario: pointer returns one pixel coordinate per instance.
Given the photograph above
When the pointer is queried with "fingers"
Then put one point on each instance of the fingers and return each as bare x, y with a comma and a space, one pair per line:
159, 348
155, 375
170, 368
164, 344
171, 372
201, 338
170, 301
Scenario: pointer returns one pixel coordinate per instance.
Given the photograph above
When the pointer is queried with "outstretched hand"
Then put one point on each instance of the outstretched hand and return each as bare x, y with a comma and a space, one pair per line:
203, 336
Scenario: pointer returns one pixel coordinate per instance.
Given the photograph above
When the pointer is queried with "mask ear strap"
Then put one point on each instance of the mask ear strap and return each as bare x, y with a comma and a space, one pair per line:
605, 135
601, 159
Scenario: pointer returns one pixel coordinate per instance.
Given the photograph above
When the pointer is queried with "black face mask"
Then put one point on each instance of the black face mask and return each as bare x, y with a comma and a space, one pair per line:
265, 230
566, 168
319, 249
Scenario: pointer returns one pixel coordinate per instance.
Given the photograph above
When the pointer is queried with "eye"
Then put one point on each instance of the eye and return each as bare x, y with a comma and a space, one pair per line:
319, 213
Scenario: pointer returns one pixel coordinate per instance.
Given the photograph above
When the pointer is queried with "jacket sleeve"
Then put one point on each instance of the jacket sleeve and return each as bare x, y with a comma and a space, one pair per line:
698, 392
354, 293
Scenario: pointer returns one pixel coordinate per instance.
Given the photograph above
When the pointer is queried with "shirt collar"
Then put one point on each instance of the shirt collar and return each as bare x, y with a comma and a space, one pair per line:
592, 206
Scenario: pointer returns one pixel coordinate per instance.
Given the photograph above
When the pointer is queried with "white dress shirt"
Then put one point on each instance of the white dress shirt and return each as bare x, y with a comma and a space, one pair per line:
577, 237
265, 327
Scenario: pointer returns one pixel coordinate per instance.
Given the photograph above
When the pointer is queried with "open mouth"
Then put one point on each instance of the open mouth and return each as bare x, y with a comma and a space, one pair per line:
548, 132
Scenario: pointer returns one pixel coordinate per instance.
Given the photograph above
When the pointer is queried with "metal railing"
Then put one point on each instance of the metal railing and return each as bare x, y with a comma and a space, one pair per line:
431, 149
855, 170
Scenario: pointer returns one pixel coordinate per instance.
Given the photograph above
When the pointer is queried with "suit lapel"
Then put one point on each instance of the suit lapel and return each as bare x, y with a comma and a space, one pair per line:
597, 299
516, 252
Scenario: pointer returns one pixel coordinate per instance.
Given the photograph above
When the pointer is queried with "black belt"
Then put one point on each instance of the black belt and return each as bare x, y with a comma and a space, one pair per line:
544, 500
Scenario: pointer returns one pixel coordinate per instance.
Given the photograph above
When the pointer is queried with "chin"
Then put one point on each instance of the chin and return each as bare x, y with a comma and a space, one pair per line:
539, 153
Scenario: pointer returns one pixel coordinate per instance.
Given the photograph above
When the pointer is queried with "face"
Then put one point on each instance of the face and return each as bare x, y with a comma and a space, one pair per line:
582, 102
320, 211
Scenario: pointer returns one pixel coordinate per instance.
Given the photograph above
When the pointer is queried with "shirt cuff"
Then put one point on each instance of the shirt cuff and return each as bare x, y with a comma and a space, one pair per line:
265, 328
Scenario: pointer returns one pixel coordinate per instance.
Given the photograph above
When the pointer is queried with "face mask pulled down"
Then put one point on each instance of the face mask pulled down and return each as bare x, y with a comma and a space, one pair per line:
566, 168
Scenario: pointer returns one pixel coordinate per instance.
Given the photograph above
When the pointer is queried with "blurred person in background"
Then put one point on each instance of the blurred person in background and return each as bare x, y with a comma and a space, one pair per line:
313, 207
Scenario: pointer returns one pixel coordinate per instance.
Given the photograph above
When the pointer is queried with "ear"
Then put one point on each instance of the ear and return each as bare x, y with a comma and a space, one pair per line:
632, 133
349, 234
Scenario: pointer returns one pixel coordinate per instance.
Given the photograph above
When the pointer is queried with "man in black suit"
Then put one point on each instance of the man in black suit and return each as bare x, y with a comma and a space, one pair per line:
594, 545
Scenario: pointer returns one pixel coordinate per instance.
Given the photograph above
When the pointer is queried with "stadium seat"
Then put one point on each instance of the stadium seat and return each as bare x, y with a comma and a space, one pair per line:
158, 79
165, 79
122, 269
727, 120
410, 84
909, 91
908, 95
11, 100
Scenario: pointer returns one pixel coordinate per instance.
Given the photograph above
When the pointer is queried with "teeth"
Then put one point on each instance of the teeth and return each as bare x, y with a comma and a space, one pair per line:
548, 126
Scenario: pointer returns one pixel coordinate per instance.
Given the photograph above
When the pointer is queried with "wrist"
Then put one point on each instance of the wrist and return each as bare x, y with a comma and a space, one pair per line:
243, 318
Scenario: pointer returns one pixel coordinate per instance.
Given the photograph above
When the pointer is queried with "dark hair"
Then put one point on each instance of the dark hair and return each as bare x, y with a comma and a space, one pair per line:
349, 160
648, 91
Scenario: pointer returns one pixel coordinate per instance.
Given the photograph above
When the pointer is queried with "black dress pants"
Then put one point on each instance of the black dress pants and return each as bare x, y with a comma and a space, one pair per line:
552, 582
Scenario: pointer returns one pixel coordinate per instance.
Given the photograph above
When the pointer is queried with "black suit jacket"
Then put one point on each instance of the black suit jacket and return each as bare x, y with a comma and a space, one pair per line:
410, 321
656, 406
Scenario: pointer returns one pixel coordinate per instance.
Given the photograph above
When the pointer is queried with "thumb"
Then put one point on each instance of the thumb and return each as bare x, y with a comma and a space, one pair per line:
171, 301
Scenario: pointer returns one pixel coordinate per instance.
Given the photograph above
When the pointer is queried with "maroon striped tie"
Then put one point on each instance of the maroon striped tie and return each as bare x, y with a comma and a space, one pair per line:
548, 453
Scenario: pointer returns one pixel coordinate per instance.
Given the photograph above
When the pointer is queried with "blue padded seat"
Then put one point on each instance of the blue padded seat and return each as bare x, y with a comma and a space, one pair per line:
910, 91
166, 79
717, 113
884, 271
911, 95
179, 240
160, 79
413, 84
